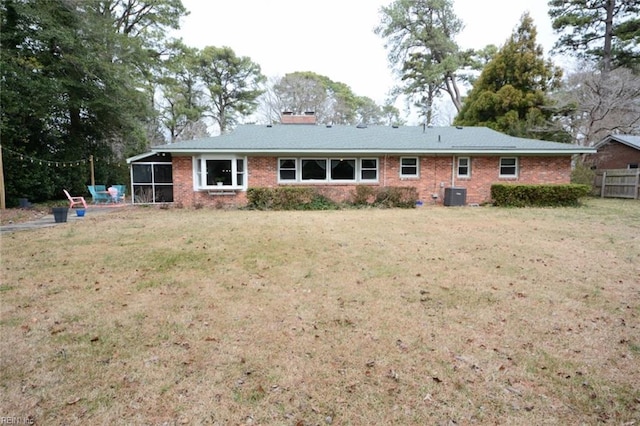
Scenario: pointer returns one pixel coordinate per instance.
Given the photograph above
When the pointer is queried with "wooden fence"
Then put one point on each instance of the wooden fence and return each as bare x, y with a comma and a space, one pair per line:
618, 183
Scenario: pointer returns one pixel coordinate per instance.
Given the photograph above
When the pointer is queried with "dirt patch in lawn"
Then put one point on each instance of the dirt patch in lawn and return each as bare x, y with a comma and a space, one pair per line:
422, 316
9, 216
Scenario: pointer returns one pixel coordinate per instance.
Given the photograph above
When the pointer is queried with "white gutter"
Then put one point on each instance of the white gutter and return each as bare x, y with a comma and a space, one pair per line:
382, 152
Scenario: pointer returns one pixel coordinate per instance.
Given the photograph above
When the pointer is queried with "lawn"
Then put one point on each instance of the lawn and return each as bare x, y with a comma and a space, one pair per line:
432, 315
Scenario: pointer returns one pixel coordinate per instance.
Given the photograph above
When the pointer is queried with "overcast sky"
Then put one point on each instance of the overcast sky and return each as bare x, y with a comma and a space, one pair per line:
335, 38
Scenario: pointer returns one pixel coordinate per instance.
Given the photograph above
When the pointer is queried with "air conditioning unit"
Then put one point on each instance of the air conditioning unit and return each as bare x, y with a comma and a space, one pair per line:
455, 196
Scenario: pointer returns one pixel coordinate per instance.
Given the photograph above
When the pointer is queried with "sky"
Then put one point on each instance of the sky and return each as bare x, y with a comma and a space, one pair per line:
335, 38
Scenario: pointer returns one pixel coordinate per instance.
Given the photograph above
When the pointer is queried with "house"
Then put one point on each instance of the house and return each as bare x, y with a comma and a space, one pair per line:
219, 170
616, 152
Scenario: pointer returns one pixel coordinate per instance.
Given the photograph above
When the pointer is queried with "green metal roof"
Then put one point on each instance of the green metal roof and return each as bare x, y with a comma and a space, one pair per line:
318, 140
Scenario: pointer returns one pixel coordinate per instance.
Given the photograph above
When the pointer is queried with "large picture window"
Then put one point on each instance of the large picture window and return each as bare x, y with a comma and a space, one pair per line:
327, 169
343, 169
225, 173
314, 169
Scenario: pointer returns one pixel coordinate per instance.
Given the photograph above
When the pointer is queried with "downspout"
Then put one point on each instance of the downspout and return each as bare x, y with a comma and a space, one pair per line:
384, 177
453, 170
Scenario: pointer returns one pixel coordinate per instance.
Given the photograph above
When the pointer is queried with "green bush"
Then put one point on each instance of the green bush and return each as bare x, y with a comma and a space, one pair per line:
288, 198
311, 198
583, 175
516, 195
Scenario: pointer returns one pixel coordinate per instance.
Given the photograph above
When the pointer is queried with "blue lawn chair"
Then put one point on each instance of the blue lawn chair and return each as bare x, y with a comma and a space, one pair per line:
122, 192
98, 195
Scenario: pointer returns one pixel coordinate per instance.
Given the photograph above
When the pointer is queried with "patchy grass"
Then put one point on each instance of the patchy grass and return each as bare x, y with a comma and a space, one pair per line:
422, 316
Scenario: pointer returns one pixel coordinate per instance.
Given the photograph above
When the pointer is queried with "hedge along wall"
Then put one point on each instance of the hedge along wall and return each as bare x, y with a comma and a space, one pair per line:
514, 195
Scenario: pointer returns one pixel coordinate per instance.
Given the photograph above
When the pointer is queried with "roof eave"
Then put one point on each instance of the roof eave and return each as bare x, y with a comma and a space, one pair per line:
458, 151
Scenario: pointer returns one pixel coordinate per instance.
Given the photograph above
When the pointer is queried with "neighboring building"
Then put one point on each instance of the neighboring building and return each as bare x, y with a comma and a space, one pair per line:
218, 170
616, 152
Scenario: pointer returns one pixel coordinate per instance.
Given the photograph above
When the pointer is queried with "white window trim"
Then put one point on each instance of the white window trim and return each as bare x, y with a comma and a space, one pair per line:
199, 178
405, 176
360, 169
357, 171
517, 166
295, 169
468, 174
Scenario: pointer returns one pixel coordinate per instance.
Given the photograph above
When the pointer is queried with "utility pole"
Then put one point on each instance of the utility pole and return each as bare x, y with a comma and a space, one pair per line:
93, 175
3, 204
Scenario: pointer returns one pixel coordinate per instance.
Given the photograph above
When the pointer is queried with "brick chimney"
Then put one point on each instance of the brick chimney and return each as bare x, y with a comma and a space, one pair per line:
288, 117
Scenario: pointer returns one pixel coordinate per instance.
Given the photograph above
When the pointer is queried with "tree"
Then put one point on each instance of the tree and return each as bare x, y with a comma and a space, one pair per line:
72, 86
332, 102
391, 115
299, 92
420, 37
593, 107
232, 84
368, 111
511, 94
180, 102
605, 31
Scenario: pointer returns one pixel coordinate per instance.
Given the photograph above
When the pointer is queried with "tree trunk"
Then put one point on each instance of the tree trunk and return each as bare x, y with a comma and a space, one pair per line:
608, 36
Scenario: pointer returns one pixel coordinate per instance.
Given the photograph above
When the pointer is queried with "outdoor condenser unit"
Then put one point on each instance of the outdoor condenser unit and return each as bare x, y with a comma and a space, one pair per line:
455, 196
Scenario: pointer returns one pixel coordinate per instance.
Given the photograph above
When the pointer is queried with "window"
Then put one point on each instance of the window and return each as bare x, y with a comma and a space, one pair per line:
464, 167
152, 182
240, 172
508, 167
219, 172
632, 166
327, 169
369, 169
314, 169
287, 169
343, 169
409, 167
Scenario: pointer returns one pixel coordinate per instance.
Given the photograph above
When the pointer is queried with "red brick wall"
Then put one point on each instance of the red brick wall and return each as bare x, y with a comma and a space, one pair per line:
614, 155
435, 175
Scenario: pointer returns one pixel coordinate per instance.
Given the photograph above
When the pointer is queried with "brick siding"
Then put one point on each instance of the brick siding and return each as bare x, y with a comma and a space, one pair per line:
434, 176
614, 155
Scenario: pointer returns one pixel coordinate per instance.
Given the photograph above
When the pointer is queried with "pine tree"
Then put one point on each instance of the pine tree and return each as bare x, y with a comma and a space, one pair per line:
511, 94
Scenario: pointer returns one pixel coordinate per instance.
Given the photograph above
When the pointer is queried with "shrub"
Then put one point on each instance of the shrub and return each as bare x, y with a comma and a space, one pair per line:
396, 196
388, 196
364, 195
311, 198
583, 175
288, 198
510, 195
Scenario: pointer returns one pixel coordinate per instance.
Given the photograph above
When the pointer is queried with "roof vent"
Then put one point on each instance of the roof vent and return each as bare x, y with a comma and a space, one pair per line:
269, 125
459, 127
361, 126
329, 126
395, 126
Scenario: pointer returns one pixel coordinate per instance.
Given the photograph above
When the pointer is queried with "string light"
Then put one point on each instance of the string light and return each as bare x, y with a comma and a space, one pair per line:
39, 161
